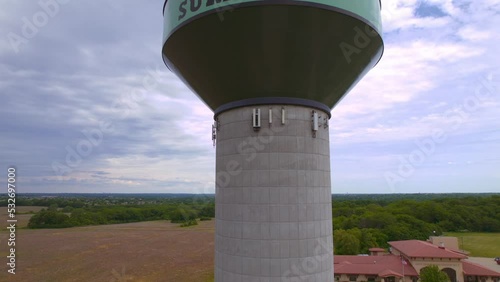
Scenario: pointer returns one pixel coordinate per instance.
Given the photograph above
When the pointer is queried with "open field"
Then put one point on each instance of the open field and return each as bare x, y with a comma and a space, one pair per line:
143, 251
479, 244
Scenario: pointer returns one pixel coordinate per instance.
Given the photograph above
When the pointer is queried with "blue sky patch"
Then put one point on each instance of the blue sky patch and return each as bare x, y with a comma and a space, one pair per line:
427, 10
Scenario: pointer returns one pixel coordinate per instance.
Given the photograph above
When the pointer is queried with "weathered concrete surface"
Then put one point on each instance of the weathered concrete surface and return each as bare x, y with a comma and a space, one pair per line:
273, 197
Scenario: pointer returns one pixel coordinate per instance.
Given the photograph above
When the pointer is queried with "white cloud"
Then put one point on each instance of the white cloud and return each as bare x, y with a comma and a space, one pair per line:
472, 34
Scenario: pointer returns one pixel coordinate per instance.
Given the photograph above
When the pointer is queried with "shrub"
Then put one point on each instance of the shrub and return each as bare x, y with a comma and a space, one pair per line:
189, 223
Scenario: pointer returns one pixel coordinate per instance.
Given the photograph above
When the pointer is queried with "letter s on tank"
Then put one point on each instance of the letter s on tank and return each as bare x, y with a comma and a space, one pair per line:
182, 10
194, 6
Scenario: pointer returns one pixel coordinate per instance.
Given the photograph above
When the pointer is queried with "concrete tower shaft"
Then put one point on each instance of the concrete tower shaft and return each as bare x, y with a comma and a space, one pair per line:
273, 198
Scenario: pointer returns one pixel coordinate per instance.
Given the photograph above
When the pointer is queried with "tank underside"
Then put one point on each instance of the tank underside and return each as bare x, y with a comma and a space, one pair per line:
273, 51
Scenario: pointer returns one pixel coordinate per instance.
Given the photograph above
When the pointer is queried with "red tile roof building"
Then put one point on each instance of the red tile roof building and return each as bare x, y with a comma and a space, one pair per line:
406, 259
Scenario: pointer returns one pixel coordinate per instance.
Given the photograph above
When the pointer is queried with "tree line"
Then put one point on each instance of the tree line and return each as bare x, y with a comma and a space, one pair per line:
68, 216
359, 221
360, 224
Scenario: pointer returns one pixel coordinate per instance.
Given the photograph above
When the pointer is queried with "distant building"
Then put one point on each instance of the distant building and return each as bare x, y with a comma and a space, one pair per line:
446, 241
406, 259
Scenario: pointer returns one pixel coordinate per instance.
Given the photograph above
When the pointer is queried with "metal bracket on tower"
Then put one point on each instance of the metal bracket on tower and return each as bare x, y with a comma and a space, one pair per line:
270, 116
315, 123
215, 128
256, 119
214, 132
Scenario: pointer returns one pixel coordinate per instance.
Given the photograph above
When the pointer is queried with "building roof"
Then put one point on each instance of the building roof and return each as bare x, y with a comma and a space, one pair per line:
389, 273
422, 249
473, 269
383, 266
450, 242
376, 250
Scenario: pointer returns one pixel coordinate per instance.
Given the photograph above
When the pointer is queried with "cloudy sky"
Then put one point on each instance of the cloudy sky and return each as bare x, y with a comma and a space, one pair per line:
88, 106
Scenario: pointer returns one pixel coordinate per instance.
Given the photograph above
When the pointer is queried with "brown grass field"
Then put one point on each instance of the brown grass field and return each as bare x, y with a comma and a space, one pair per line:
144, 251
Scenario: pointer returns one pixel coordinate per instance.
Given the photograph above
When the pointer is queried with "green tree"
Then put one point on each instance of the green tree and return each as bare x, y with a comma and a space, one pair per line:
182, 214
67, 209
49, 219
432, 273
207, 211
346, 242
368, 240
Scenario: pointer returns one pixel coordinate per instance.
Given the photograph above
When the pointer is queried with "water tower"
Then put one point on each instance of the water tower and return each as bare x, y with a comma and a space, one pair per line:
271, 71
